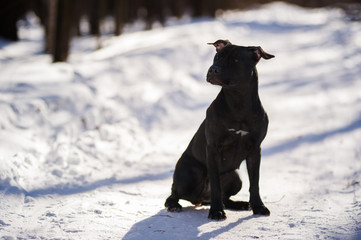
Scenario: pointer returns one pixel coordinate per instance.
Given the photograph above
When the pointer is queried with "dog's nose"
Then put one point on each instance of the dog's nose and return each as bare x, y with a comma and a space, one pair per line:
213, 70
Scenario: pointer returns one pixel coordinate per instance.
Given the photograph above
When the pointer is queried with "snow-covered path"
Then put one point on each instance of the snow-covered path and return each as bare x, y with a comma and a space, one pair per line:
87, 148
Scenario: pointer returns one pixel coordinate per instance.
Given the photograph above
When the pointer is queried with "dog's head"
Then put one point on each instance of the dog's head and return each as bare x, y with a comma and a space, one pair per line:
235, 65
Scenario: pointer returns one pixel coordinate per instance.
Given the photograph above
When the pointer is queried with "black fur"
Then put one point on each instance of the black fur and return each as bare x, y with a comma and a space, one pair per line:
233, 130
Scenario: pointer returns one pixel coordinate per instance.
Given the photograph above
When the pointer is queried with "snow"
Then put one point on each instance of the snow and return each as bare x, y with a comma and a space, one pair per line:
88, 147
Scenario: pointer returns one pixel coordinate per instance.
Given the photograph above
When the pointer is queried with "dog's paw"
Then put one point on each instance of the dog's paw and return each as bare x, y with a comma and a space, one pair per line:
261, 210
173, 206
217, 214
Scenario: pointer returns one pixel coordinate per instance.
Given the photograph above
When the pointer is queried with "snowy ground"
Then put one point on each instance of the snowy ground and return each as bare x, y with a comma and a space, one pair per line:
87, 148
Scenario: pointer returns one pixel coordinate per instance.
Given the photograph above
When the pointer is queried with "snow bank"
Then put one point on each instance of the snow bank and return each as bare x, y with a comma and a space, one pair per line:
87, 148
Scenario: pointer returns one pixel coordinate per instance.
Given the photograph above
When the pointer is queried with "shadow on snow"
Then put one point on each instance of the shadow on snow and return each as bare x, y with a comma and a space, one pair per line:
76, 189
184, 225
311, 138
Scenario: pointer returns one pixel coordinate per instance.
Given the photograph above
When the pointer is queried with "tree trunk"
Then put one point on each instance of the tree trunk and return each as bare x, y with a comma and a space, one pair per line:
10, 13
62, 30
120, 15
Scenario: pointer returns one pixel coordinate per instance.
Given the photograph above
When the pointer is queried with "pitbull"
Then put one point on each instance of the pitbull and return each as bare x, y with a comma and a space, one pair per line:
234, 127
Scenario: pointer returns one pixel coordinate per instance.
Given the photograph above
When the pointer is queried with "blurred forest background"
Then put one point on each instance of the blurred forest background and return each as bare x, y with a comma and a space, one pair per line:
62, 19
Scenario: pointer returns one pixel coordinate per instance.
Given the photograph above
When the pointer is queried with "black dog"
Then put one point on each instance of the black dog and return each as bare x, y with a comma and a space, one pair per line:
233, 130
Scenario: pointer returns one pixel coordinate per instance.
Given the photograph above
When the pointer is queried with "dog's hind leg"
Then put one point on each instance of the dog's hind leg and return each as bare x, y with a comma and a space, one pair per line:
189, 181
232, 184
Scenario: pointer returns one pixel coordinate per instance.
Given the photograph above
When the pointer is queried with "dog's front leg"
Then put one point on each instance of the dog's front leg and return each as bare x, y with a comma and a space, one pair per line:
253, 165
216, 212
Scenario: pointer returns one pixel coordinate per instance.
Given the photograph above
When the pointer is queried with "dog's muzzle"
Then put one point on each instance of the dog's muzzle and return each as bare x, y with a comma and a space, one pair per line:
213, 74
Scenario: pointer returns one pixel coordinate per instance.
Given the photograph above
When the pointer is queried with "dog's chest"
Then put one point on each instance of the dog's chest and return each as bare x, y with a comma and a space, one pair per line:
234, 147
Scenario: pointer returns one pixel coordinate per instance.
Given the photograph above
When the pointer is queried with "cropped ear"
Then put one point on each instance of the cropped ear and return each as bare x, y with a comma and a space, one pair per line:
259, 52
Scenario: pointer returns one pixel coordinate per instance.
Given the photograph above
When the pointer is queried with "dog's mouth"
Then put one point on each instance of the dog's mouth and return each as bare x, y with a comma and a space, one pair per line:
213, 80
216, 81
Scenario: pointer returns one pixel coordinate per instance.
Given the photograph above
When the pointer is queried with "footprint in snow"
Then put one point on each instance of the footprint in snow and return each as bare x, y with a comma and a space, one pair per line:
2, 223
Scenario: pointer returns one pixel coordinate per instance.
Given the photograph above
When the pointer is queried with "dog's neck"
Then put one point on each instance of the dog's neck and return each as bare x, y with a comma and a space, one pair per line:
244, 98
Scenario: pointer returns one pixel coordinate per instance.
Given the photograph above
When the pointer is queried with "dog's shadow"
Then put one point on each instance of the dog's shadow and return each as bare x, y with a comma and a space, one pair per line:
184, 225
